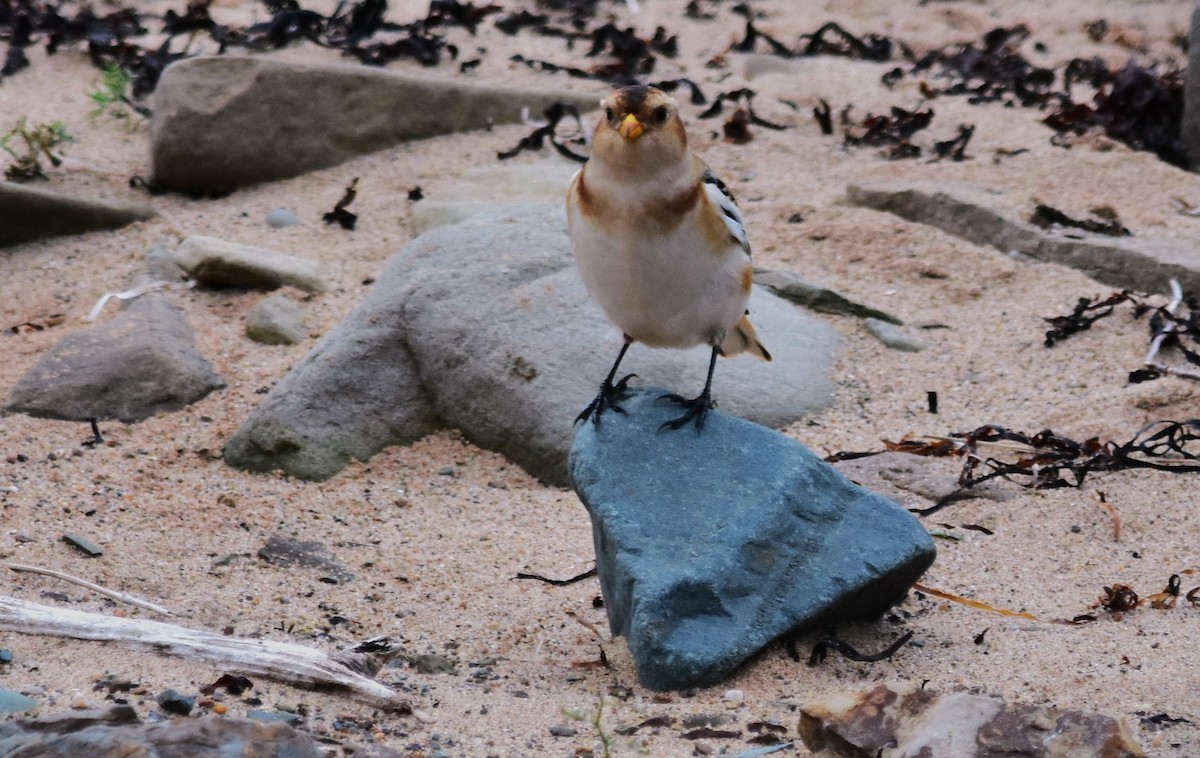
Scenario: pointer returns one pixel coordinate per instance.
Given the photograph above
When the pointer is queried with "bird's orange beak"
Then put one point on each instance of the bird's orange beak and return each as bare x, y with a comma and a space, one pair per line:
630, 128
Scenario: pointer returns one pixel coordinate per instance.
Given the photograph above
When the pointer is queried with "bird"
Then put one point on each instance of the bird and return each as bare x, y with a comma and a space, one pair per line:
660, 245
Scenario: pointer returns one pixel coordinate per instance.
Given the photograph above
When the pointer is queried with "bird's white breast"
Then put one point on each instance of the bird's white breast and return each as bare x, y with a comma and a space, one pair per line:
662, 288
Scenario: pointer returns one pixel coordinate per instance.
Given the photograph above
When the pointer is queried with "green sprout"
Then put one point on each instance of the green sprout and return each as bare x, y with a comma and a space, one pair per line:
27, 145
111, 96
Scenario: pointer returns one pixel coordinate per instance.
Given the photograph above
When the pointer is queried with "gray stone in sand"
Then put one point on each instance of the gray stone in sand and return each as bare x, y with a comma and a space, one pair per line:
1189, 133
31, 214
281, 218
209, 115
15, 702
821, 299
485, 326
711, 544
214, 261
275, 320
980, 216
286, 552
893, 336
142, 362
916, 481
117, 733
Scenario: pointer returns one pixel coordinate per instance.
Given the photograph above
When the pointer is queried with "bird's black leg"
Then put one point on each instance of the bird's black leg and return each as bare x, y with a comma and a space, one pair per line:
698, 406
609, 393
96, 439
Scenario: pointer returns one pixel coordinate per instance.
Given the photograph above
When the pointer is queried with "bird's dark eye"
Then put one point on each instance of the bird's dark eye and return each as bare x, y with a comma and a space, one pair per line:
608, 112
661, 113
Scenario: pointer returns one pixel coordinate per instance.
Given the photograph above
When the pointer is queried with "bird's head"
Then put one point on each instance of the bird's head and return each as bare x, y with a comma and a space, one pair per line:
639, 123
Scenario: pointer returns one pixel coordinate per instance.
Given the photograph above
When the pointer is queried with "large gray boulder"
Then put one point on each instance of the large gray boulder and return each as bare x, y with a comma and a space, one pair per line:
31, 214
142, 362
484, 326
209, 115
1189, 133
711, 544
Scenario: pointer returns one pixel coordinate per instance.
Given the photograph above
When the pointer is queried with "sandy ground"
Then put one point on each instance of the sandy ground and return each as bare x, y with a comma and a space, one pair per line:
437, 531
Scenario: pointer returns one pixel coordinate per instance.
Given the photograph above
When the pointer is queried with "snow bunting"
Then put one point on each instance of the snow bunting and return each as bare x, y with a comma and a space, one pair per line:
660, 243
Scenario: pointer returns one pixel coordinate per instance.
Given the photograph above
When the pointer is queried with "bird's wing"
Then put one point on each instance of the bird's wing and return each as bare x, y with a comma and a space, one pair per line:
721, 198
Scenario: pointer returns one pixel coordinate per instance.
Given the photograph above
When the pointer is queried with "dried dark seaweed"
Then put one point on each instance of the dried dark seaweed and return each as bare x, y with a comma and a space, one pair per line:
1085, 313
536, 139
339, 215
559, 582
832, 39
823, 114
894, 131
954, 148
1137, 105
992, 71
1049, 461
1106, 221
821, 650
829, 39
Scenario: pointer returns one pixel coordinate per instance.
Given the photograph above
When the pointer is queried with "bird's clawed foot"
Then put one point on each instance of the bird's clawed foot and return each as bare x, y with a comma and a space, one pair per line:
697, 409
608, 399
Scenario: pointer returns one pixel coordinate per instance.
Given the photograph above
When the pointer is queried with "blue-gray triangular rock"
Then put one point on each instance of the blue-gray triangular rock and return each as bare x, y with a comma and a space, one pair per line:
711, 544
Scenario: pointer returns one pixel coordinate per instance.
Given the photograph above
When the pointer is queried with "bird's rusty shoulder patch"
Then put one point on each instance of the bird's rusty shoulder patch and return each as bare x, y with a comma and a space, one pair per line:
747, 280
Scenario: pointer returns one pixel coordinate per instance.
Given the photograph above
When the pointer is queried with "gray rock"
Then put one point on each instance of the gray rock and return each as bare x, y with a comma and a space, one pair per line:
916, 481
116, 733
432, 663
275, 320
893, 336
175, 702
491, 188
908, 719
270, 717
15, 702
31, 214
209, 113
214, 261
355, 393
282, 218
485, 326
1189, 133
286, 552
793, 288
979, 216
140, 363
709, 545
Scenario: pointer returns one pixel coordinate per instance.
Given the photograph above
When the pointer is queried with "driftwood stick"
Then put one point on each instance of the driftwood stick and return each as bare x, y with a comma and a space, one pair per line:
118, 596
283, 661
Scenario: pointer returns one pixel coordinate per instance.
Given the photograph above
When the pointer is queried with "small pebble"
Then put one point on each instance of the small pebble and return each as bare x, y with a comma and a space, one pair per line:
558, 730
89, 548
734, 696
175, 703
281, 218
892, 336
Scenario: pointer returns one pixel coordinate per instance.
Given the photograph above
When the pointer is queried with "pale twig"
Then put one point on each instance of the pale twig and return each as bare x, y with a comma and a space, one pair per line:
286, 662
118, 596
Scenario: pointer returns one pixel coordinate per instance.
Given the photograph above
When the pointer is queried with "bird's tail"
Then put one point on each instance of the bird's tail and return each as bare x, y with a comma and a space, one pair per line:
743, 339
